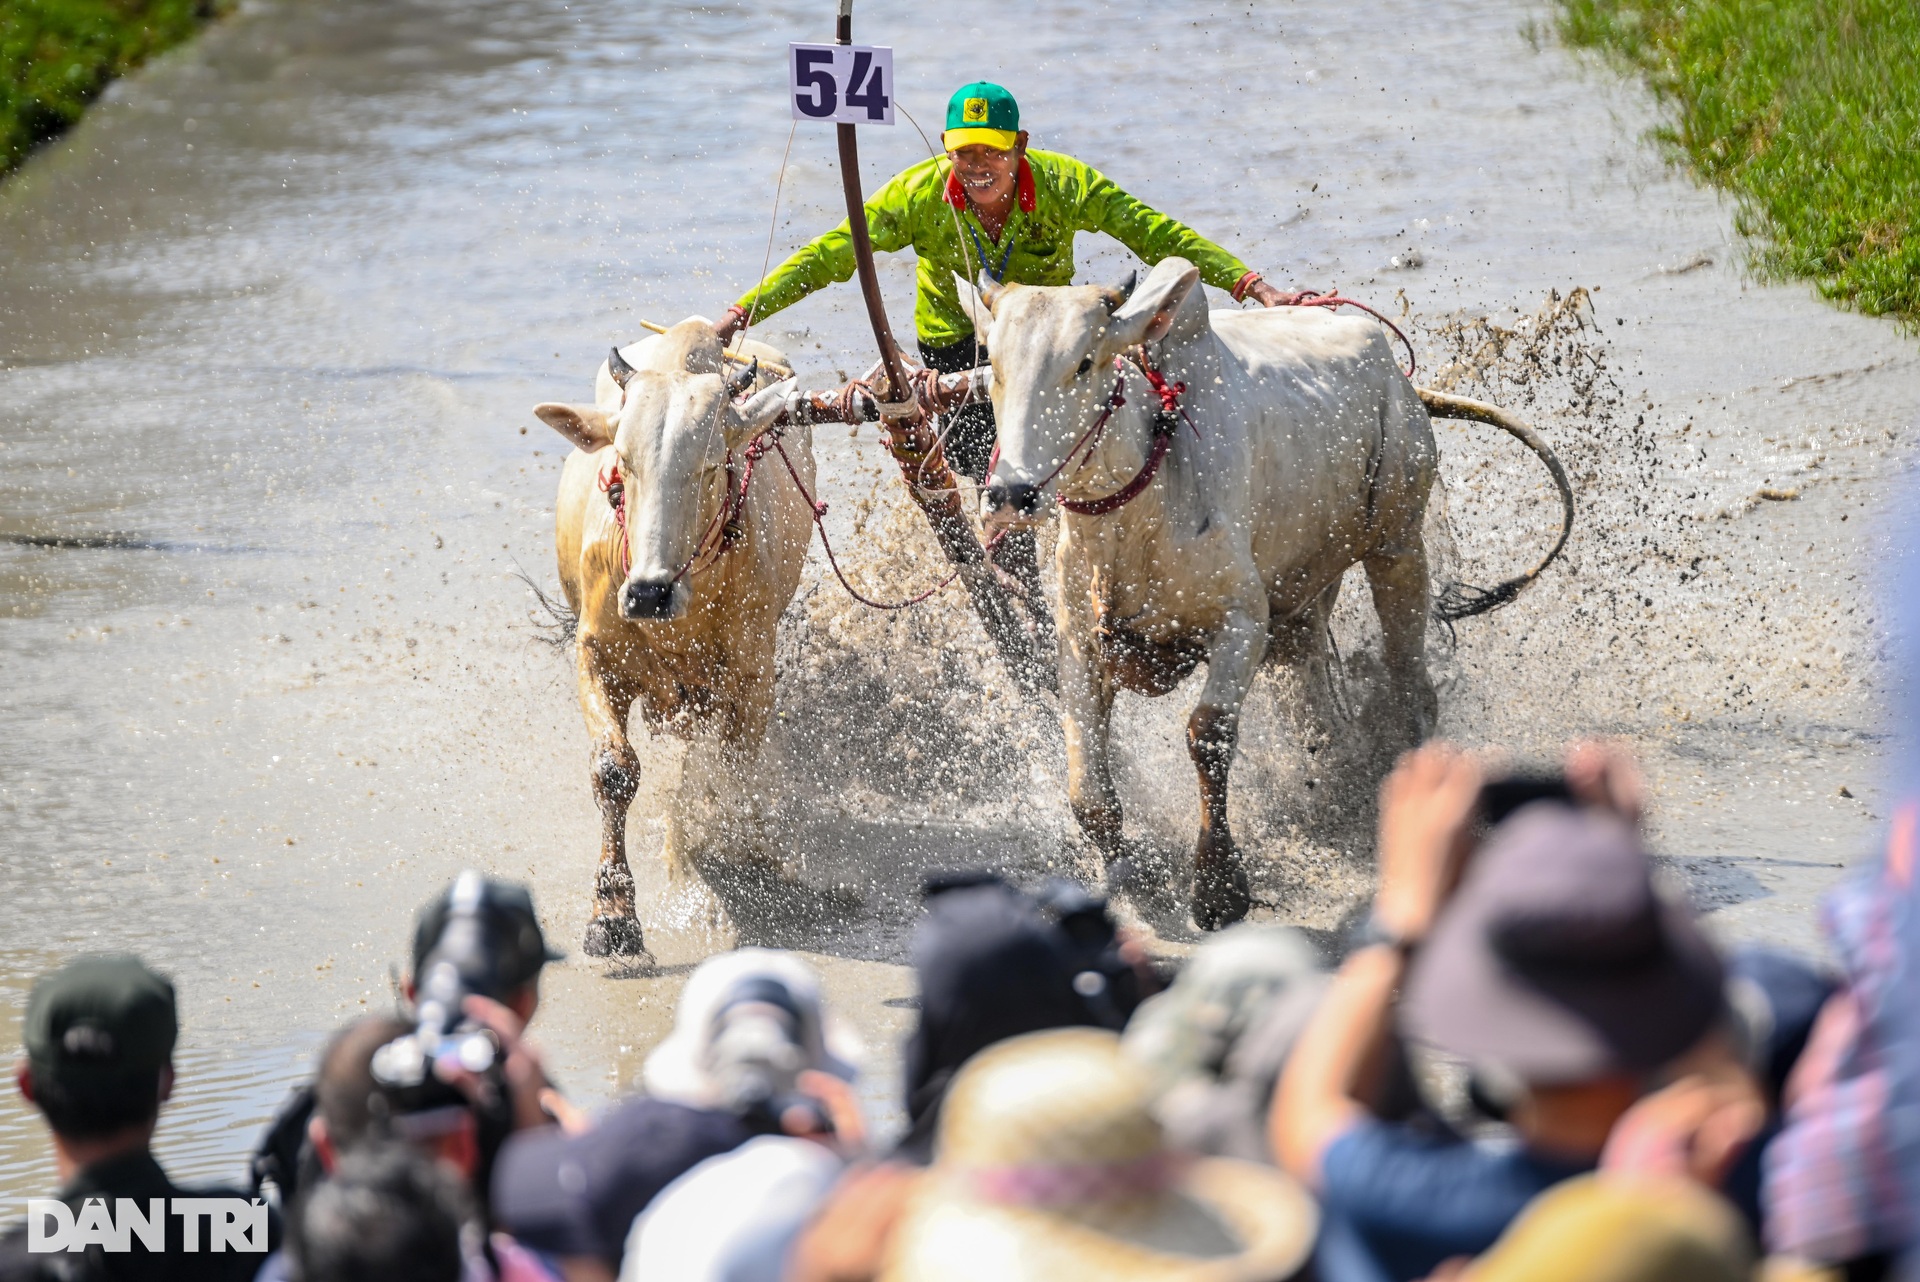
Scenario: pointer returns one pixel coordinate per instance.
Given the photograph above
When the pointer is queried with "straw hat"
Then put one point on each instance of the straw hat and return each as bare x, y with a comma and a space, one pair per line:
1048, 1166
1603, 1229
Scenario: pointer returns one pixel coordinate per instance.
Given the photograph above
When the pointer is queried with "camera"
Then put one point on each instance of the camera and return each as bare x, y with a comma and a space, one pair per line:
1500, 798
460, 964
1102, 977
756, 1054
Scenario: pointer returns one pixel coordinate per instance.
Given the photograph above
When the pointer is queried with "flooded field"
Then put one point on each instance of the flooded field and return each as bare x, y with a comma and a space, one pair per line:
272, 320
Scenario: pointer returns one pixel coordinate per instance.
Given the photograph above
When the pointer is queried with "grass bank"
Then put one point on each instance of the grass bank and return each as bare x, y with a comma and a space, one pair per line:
1807, 110
57, 55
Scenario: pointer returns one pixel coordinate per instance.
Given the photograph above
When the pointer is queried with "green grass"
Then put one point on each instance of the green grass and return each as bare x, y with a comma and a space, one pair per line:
1807, 110
57, 55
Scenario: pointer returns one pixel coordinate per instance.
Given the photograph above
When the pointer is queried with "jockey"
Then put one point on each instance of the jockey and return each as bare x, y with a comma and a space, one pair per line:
990, 205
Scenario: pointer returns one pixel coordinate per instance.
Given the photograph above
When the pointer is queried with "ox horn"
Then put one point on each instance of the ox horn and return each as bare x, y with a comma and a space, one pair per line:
990, 289
742, 383
1117, 295
618, 367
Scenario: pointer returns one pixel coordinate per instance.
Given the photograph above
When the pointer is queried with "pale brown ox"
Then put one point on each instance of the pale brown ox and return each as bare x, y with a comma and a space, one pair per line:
694, 649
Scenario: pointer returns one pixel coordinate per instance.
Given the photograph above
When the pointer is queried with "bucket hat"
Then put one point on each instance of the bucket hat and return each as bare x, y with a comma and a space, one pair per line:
691, 1065
1230, 983
1213, 1043
1048, 1165
1559, 960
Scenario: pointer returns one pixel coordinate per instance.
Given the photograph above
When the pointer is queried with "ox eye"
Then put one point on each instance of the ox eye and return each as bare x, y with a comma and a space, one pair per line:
1086, 363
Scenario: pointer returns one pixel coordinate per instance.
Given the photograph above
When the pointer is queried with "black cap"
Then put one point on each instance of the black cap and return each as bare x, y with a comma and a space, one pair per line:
507, 919
990, 966
579, 1194
100, 1017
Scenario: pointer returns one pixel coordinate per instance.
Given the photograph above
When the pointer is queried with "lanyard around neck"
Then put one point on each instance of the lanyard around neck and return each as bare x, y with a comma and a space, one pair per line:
978, 248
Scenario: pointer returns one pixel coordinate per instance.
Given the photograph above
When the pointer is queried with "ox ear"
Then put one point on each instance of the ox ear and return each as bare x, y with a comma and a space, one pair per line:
756, 414
587, 426
975, 304
1148, 315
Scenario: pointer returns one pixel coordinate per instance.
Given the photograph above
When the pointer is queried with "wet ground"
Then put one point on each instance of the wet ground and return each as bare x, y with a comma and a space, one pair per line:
275, 313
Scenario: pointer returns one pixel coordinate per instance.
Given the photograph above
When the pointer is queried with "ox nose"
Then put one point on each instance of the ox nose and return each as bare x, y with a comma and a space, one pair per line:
1023, 499
642, 599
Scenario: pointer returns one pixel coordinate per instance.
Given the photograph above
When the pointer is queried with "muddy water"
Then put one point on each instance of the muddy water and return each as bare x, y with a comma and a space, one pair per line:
273, 317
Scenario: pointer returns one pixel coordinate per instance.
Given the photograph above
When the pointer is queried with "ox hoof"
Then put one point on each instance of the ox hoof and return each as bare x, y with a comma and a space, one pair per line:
614, 937
1220, 895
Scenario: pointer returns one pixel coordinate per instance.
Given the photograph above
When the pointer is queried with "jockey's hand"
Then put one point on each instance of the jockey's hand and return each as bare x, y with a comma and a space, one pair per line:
732, 323
1267, 296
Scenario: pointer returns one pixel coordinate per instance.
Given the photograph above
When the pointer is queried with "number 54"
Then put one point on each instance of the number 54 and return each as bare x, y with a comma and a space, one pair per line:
849, 84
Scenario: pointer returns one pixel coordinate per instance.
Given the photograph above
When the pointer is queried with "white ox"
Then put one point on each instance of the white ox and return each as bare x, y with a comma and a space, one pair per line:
685, 632
1313, 453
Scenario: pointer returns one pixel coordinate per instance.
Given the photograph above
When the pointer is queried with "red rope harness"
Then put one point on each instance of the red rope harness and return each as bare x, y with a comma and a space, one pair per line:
726, 526
1332, 299
1165, 425
722, 532
616, 491
819, 511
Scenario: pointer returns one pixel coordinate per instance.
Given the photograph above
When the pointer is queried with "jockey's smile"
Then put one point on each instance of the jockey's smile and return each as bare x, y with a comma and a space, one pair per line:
989, 176
984, 169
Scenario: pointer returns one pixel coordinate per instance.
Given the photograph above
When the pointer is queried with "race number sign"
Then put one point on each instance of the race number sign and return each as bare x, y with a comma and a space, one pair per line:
847, 84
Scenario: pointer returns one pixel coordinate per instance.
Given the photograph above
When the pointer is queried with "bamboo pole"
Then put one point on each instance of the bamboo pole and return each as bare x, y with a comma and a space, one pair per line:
916, 449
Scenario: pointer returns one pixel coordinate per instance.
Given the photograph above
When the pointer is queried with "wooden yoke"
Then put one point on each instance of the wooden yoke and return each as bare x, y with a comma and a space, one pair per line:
915, 446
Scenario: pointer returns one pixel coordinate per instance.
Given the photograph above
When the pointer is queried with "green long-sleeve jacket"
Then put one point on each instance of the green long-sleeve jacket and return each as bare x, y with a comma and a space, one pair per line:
912, 210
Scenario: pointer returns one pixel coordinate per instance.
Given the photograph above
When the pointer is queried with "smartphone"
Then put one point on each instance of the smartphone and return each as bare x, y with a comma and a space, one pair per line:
1499, 798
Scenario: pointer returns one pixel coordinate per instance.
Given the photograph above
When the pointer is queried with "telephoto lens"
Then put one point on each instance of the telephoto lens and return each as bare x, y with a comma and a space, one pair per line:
756, 1055
459, 964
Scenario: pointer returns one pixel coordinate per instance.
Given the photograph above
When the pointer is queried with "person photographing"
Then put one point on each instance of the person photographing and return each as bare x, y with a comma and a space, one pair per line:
1546, 957
994, 206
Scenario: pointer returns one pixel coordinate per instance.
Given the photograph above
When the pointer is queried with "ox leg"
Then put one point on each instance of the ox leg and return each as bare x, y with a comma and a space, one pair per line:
1301, 643
614, 930
1019, 556
1220, 893
743, 733
1399, 581
1086, 708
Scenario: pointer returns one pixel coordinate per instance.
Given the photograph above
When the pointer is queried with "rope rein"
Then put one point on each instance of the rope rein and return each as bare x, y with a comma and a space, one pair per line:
726, 531
1166, 423
819, 511
1333, 298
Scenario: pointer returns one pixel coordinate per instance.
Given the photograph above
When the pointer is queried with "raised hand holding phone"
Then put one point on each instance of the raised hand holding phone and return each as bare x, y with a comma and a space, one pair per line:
1428, 807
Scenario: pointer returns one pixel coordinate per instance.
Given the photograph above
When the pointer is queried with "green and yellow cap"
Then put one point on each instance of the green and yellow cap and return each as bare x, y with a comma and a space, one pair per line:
982, 114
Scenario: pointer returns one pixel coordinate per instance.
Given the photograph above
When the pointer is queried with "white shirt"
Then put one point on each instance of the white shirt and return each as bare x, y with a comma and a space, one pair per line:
733, 1217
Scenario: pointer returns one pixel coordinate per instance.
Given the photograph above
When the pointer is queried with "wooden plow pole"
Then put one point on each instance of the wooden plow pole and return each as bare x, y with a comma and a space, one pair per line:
915, 446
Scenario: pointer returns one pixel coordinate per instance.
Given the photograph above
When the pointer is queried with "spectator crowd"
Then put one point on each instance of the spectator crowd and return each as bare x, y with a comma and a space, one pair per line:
1529, 1062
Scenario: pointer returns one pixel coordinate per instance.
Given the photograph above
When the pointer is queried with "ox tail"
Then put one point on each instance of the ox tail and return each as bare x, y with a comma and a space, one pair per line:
553, 619
1461, 600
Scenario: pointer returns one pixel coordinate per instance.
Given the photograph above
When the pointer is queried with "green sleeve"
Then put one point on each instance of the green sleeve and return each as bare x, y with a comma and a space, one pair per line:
829, 257
1151, 234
